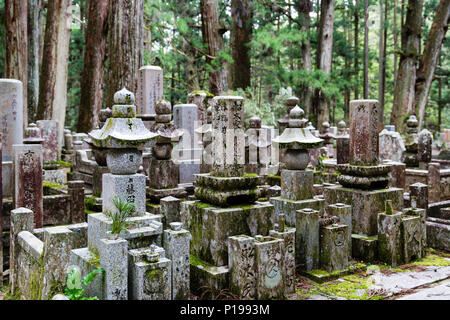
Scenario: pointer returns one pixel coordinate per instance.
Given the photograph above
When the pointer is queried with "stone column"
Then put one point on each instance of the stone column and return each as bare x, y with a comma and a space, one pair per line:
150, 89
390, 249
420, 192
176, 245
434, 182
28, 179
11, 124
170, 209
364, 115
201, 99
50, 134
21, 220
114, 260
342, 149
344, 213
307, 239
334, 244
76, 193
241, 262
228, 136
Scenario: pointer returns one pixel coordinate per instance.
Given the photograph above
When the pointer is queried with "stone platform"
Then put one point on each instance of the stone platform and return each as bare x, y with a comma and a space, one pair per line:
366, 205
289, 207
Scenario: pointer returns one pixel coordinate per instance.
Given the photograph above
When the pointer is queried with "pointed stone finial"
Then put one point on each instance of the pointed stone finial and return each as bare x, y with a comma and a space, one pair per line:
296, 118
124, 97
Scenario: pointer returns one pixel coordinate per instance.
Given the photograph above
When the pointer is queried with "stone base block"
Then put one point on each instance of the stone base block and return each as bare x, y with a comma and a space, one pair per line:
241, 262
288, 236
151, 280
438, 233
211, 226
163, 174
7, 179
128, 187
321, 276
365, 248
390, 242
155, 195
205, 275
297, 185
144, 230
289, 207
365, 205
114, 260
412, 238
307, 239
334, 247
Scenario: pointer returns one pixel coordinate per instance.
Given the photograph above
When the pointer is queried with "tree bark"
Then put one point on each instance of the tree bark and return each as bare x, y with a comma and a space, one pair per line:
325, 50
94, 58
54, 70
16, 15
404, 89
125, 46
34, 31
241, 35
304, 8
213, 39
381, 61
428, 61
395, 41
366, 50
356, 46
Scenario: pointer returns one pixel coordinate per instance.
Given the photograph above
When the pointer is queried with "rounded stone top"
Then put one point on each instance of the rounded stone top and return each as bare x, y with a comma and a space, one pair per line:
124, 97
342, 124
151, 68
104, 114
239, 98
163, 107
292, 101
33, 134
255, 122
296, 113
296, 118
412, 121
325, 125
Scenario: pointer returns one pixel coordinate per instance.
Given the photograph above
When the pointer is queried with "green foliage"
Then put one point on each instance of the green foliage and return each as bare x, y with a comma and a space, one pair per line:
119, 217
75, 286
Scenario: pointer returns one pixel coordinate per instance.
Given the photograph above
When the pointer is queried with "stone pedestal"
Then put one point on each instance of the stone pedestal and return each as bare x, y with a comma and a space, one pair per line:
288, 236
114, 260
366, 204
289, 207
365, 248
50, 134
176, 245
241, 263
397, 175
334, 247
170, 210
434, 181
297, 184
163, 174
420, 192
344, 213
390, 245
28, 179
270, 279
412, 238
76, 193
307, 239
129, 188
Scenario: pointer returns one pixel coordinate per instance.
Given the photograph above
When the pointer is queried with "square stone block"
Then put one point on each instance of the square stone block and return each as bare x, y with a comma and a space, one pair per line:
87, 261
204, 274
307, 240
412, 238
211, 226
163, 174
334, 247
365, 205
289, 207
344, 213
128, 187
151, 281
365, 248
288, 236
390, 242
187, 170
114, 260
241, 262
297, 184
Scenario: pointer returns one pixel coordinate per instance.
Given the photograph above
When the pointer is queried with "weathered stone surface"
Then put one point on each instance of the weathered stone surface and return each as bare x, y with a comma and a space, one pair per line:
434, 182
364, 124
211, 226
365, 205
288, 236
204, 274
150, 89
170, 210
391, 146
438, 233
344, 214
76, 193
58, 176
397, 175
425, 143
114, 260
307, 249
412, 238
228, 142
390, 242
410, 157
11, 114
28, 179
343, 149
241, 263
202, 100
365, 248
163, 174
176, 245
270, 279
50, 134
420, 192
128, 187
334, 247
289, 207
296, 184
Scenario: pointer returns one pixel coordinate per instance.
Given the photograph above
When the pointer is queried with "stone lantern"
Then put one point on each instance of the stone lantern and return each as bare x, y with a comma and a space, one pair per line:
297, 139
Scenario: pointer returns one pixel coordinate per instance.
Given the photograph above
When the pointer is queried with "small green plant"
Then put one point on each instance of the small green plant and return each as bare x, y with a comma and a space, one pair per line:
119, 217
75, 286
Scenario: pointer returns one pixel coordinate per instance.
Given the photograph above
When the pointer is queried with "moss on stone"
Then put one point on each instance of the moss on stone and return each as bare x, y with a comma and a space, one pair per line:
48, 184
60, 163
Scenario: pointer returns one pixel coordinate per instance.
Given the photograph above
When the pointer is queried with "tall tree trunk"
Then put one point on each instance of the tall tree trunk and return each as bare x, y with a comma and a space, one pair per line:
395, 41
241, 35
406, 78
347, 17
34, 32
304, 8
428, 60
325, 57
16, 15
53, 78
356, 46
381, 61
212, 37
366, 50
94, 58
125, 46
